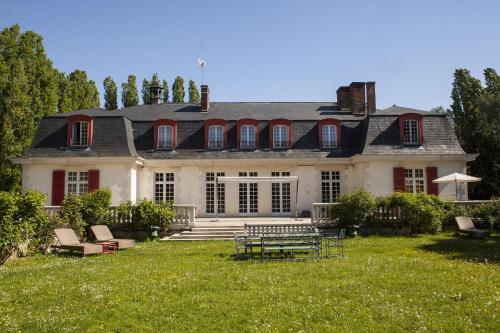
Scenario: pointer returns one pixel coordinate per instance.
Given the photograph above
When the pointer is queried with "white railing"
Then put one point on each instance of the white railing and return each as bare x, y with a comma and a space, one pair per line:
321, 213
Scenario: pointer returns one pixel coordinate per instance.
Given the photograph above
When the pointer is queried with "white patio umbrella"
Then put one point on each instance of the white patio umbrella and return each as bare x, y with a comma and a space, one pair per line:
457, 178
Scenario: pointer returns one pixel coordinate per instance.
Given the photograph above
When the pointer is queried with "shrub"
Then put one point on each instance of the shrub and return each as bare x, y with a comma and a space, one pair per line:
71, 213
354, 208
95, 207
489, 213
124, 212
146, 213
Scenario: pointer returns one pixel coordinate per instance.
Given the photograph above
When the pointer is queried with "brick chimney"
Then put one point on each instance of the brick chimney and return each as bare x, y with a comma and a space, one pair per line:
371, 104
205, 98
357, 92
343, 98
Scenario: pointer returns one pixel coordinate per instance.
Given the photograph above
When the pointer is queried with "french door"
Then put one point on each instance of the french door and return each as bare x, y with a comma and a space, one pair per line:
248, 195
280, 195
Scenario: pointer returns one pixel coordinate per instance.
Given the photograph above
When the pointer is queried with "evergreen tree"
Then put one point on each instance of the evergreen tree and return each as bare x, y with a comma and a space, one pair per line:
166, 94
194, 94
110, 94
77, 92
130, 95
476, 116
178, 90
28, 92
146, 98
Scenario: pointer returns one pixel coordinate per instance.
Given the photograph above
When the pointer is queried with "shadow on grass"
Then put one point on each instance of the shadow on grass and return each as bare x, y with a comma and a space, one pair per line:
468, 249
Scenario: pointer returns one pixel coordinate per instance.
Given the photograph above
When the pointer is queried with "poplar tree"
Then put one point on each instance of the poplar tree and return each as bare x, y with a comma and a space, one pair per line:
110, 94
130, 95
194, 94
178, 90
146, 98
77, 92
166, 93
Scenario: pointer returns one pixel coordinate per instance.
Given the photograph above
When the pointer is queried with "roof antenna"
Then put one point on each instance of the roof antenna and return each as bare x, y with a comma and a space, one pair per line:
201, 65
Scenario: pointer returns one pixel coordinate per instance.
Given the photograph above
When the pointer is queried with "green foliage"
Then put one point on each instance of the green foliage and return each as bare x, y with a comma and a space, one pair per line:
166, 93
146, 213
71, 213
130, 96
354, 208
110, 94
77, 92
95, 207
28, 92
488, 213
476, 116
194, 94
146, 98
124, 212
178, 90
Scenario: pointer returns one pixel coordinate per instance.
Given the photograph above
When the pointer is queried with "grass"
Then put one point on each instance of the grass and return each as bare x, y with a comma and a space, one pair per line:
426, 283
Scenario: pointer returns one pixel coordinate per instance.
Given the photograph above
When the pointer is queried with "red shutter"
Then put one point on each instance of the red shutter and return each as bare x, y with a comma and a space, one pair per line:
399, 179
431, 173
57, 187
93, 180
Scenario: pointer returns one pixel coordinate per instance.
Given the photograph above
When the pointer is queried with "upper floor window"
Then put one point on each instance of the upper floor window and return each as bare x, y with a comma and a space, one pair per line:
329, 133
165, 134
215, 133
280, 133
410, 129
79, 130
247, 136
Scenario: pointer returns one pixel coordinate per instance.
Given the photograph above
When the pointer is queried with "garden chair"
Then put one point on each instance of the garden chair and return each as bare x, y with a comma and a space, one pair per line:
335, 242
102, 234
69, 241
465, 225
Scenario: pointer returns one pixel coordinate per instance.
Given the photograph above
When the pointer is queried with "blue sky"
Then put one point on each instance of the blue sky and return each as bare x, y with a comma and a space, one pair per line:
273, 50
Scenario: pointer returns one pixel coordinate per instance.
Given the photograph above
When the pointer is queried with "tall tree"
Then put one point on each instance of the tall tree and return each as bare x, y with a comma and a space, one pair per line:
77, 92
130, 95
194, 94
166, 93
178, 90
110, 94
475, 111
28, 92
146, 98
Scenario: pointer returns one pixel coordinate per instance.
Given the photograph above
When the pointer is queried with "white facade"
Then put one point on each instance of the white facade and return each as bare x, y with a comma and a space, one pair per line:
134, 179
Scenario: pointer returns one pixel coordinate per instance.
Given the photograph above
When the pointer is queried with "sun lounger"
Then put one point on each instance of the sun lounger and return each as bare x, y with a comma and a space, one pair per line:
69, 241
102, 234
466, 226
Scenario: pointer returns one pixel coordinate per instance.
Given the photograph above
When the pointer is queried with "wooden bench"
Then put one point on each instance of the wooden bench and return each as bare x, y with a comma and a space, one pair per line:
253, 233
283, 243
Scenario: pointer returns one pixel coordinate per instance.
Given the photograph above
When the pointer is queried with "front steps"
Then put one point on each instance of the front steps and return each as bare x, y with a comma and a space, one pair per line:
207, 233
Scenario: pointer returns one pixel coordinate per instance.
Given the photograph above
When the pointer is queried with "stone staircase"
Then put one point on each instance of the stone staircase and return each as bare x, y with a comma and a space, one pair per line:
216, 232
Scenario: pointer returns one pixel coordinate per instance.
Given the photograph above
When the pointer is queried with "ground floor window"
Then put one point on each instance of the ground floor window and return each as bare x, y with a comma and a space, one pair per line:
248, 195
330, 186
78, 182
414, 180
210, 193
164, 186
280, 194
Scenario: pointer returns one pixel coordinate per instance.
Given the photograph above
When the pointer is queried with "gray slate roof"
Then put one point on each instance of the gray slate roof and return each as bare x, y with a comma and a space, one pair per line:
129, 132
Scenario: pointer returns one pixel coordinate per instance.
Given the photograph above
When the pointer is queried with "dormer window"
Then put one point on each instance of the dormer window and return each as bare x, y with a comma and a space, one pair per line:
280, 133
248, 133
165, 134
215, 134
410, 129
79, 131
329, 133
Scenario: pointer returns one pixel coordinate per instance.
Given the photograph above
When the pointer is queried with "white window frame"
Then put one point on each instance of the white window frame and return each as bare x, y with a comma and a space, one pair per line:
247, 136
415, 180
215, 132
329, 136
78, 181
164, 187
165, 140
330, 185
411, 135
280, 132
82, 140
210, 193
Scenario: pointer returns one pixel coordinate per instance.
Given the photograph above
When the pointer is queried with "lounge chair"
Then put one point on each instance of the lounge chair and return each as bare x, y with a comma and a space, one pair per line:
69, 241
465, 225
102, 234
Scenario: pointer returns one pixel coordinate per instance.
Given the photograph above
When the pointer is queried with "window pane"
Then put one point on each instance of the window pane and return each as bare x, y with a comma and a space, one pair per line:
165, 137
329, 136
410, 128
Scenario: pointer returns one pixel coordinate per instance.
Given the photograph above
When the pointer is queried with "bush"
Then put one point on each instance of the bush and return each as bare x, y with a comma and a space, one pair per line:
146, 214
354, 208
95, 207
489, 213
31, 205
71, 213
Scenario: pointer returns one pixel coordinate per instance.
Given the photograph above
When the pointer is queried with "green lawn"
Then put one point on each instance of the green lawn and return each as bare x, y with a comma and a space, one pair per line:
427, 283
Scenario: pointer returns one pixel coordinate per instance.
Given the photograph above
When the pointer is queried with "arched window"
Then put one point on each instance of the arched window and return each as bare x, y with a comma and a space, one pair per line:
80, 130
248, 133
165, 134
215, 134
280, 132
410, 129
329, 133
